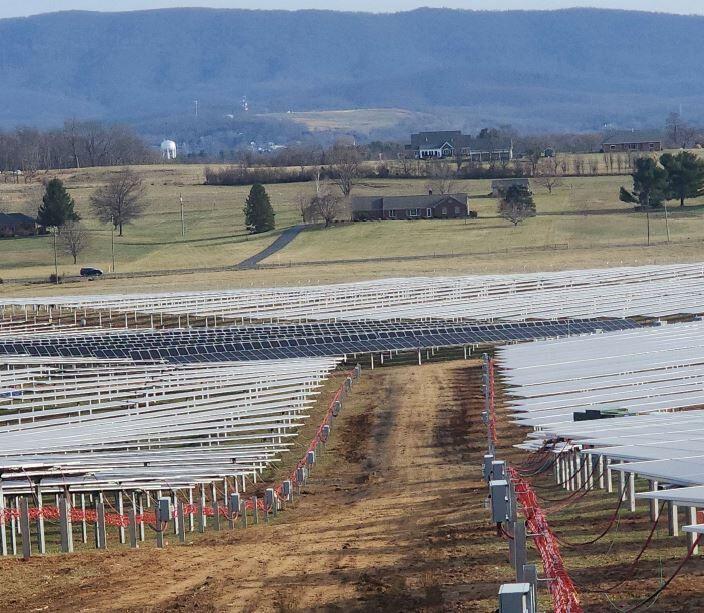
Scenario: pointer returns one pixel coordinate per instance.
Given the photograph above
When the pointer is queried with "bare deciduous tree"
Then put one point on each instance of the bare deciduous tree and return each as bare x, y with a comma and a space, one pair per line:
305, 209
578, 165
120, 201
344, 167
325, 206
441, 178
547, 175
406, 165
74, 239
533, 157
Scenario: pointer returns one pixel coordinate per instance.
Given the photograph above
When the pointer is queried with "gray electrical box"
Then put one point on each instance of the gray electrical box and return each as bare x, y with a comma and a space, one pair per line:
164, 510
234, 503
498, 469
515, 598
486, 466
499, 501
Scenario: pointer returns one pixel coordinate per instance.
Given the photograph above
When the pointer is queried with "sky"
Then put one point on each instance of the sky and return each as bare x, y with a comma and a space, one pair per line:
13, 8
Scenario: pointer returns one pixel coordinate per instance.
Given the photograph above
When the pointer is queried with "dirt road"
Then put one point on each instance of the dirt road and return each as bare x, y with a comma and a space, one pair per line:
392, 520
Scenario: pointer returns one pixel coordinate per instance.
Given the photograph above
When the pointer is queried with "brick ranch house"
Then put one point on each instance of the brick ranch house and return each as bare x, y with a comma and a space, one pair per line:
619, 142
443, 206
17, 224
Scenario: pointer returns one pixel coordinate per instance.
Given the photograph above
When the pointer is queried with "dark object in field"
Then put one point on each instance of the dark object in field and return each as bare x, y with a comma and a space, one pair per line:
91, 272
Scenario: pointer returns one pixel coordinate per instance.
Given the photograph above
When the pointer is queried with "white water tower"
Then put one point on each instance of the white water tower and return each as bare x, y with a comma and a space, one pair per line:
168, 150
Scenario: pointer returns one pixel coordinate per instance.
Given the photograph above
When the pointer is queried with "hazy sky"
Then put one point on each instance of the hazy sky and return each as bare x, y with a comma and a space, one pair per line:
13, 8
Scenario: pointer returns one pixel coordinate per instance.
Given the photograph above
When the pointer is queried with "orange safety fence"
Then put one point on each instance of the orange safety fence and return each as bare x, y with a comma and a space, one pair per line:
52, 513
562, 590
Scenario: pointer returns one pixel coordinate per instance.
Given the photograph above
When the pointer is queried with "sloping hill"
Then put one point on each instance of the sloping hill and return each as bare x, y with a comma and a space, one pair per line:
571, 68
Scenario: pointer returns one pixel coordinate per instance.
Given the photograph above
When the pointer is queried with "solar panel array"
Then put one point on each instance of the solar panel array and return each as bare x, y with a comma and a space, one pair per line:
101, 424
638, 371
651, 291
652, 379
290, 341
96, 407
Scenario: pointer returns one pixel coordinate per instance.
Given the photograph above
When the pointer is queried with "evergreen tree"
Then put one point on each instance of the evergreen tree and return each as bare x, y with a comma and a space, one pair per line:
650, 186
685, 175
258, 212
517, 204
57, 206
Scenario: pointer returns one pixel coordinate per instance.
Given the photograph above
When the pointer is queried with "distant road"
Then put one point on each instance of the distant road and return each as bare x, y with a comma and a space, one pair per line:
284, 239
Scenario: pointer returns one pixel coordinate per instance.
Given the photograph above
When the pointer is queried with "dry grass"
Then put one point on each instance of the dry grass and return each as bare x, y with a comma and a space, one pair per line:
584, 214
360, 121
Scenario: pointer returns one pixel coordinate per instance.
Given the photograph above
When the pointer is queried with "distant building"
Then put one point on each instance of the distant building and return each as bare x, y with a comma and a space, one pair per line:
445, 144
499, 186
633, 140
17, 224
442, 206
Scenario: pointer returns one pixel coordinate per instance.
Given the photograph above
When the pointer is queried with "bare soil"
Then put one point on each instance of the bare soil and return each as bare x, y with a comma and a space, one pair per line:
393, 519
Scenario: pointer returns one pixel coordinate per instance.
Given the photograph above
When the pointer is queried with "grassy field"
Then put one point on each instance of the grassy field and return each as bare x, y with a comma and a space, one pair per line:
215, 234
584, 213
581, 224
360, 121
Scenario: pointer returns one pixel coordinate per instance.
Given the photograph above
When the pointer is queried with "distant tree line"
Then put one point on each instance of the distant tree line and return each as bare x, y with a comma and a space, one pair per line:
76, 145
243, 175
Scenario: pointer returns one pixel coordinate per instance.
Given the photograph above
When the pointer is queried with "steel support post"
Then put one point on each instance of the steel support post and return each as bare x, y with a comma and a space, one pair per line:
673, 527
65, 528
24, 528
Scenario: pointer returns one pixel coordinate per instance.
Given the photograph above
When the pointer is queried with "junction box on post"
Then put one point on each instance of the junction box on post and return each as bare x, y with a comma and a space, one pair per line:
516, 598
163, 515
498, 469
499, 501
487, 467
233, 508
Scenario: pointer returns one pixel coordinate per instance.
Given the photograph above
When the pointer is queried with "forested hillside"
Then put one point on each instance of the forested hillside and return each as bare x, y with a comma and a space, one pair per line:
569, 69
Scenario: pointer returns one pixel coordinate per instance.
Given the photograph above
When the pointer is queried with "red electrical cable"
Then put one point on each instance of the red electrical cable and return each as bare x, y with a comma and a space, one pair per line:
632, 566
612, 521
562, 590
663, 587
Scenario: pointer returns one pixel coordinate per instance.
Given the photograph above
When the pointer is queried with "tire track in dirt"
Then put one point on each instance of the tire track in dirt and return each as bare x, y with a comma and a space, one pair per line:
392, 520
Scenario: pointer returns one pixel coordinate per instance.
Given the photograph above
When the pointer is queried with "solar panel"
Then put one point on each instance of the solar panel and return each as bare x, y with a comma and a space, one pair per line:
265, 342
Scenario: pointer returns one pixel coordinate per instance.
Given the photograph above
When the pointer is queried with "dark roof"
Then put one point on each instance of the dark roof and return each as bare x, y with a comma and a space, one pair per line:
14, 219
632, 136
455, 138
435, 140
420, 202
510, 181
487, 144
365, 203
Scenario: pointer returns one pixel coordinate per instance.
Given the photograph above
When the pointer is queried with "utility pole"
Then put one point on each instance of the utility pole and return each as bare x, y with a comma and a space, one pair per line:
112, 241
183, 219
647, 217
667, 224
56, 260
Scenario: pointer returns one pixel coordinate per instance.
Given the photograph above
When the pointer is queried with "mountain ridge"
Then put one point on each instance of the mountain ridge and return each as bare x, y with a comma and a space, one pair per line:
575, 68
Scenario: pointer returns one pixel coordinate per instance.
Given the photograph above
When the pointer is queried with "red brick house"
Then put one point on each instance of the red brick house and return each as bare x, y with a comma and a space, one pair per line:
635, 140
442, 206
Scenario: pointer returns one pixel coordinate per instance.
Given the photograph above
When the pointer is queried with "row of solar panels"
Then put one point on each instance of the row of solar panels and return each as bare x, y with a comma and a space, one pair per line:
275, 342
347, 330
